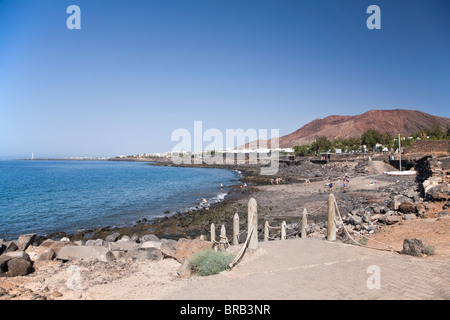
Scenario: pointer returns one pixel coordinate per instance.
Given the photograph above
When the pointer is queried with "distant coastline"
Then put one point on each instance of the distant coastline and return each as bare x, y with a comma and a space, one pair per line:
134, 159
154, 206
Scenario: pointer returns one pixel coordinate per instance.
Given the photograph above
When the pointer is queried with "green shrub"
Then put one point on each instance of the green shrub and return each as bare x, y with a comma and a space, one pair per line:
429, 250
208, 262
363, 241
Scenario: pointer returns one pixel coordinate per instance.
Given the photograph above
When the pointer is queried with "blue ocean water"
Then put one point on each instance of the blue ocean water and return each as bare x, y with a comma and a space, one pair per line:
46, 196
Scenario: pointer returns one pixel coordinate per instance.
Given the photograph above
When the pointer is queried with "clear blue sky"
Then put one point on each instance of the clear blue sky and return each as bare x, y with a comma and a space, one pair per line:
137, 70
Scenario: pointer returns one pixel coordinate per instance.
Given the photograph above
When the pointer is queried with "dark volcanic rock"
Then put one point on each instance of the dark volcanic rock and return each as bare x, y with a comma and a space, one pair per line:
407, 207
413, 247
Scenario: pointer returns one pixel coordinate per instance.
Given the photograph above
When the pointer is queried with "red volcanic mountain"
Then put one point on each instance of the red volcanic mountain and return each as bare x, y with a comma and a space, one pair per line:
398, 121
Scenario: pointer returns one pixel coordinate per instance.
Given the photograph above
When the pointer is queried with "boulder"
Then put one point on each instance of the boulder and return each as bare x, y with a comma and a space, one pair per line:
15, 264
168, 248
407, 207
393, 219
99, 242
47, 255
144, 254
85, 253
11, 246
90, 242
413, 247
384, 217
421, 209
124, 238
40, 253
135, 238
55, 245
439, 192
431, 182
357, 211
19, 267
113, 237
398, 200
186, 248
25, 240
356, 220
149, 237
185, 269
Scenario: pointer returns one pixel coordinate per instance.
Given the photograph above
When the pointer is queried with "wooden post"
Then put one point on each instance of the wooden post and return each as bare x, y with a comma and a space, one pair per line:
283, 230
304, 222
253, 223
331, 230
266, 231
223, 236
236, 229
213, 233
223, 231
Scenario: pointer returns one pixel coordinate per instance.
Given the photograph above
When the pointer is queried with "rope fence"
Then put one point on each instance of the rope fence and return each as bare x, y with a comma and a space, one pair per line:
299, 229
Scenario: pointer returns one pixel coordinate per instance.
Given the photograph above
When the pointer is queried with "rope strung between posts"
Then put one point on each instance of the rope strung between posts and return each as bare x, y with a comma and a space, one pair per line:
223, 240
318, 208
356, 242
287, 235
293, 233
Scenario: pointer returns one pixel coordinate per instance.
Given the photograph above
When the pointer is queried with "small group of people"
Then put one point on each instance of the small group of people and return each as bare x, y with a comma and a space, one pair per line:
345, 182
277, 180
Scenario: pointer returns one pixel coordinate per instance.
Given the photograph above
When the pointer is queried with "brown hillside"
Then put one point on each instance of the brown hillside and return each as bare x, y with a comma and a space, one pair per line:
398, 121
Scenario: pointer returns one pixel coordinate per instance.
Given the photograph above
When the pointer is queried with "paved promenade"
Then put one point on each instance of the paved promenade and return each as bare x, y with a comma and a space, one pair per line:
318, 269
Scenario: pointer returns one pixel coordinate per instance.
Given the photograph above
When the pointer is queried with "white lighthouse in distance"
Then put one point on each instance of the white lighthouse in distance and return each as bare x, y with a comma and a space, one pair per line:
32, 156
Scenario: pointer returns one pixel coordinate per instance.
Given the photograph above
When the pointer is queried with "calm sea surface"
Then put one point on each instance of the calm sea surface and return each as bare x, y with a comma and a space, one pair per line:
46, 196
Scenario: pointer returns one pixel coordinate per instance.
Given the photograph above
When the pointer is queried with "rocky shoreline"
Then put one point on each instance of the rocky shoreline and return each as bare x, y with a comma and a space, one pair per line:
368, 202
193, 223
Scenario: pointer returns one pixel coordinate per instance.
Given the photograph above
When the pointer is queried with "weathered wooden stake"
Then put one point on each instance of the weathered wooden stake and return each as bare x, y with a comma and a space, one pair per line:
223, 237
253, 223
331, 230
236, 229
283, 230
266, 231
304, 222
213, 233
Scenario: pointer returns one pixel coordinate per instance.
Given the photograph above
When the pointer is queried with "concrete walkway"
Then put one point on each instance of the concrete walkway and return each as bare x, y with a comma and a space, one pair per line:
318, 269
